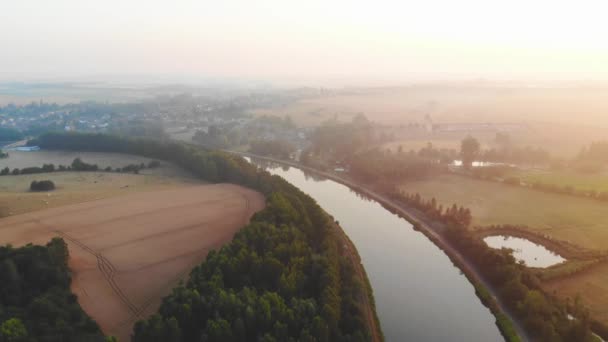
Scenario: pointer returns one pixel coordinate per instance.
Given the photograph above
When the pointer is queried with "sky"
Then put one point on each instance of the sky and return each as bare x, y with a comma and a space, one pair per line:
310, 39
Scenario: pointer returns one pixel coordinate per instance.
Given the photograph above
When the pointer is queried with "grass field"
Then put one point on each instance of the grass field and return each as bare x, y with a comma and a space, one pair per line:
591, 286
128, 252
579, 181
76, 187
580, 221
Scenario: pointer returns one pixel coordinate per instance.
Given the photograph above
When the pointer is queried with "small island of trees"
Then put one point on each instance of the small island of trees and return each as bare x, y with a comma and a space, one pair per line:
43, 185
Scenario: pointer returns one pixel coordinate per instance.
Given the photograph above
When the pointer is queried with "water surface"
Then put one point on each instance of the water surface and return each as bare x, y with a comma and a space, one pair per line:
533, 254
420, 295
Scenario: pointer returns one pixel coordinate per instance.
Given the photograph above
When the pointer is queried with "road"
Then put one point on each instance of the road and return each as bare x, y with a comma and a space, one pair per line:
423, 223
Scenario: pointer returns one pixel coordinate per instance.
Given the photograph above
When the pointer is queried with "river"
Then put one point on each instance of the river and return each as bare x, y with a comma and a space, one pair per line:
420, 295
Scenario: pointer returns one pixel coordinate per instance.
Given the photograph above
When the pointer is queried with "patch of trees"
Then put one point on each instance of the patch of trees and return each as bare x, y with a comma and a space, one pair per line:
544, 318
453, 215
375, 165
215, 137
284, 277
79, 165
272, 148
44, 185
10, 134
337, 141
469, 151
442, 155
35, 299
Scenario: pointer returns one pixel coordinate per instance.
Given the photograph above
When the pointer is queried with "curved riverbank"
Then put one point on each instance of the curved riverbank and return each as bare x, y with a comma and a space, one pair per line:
433, 232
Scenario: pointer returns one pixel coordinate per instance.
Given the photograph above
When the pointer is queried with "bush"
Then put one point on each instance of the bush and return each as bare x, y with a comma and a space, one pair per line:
45, 185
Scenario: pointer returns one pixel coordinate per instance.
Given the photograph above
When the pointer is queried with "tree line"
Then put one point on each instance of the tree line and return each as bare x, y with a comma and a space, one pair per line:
78, 165
284, 277
36, 304
545, 318
375, 165
450, 215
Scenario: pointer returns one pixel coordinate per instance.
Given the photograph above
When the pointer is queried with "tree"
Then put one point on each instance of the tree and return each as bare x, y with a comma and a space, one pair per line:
13, 330
469, 150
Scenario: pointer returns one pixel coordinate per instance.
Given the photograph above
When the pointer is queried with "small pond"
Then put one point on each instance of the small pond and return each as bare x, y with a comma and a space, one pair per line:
533, 254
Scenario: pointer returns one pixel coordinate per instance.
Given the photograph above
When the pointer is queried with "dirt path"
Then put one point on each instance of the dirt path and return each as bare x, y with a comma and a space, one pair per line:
128, 252
425, 225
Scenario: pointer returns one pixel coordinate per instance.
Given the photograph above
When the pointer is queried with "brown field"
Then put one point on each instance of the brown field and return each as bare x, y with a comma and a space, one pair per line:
77, 187
127, 252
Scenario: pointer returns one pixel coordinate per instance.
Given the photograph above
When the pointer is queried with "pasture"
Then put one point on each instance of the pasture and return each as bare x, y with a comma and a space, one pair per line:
76, 187
580, 221
128, 252
577, 180
590, 285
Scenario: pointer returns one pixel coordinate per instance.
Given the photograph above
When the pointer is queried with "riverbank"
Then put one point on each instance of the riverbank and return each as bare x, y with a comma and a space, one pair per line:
433, 231
368, 300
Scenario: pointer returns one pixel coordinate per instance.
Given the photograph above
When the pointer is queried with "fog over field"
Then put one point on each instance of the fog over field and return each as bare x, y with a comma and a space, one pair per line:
345, 170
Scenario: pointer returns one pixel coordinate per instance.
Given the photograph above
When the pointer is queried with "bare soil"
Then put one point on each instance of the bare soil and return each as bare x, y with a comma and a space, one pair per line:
127, 252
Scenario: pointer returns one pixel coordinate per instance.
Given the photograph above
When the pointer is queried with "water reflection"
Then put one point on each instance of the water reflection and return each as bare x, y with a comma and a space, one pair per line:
532, 254
419, 294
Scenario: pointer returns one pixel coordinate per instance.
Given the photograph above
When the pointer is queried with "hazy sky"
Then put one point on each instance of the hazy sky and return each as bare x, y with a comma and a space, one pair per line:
282, 39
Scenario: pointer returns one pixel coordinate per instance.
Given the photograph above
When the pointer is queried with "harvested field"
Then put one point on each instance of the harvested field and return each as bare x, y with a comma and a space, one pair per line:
127, 252
77, 187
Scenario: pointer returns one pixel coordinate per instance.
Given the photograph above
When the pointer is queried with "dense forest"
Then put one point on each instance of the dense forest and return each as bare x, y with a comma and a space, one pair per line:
284, 277
36, 304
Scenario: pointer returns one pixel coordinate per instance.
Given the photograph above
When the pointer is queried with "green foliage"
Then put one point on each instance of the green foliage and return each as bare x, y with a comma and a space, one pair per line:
35, 299
45, 185
469, 150
79, 165
13, 330
284, 277
374, 165
272, 148
544, 318
10, 134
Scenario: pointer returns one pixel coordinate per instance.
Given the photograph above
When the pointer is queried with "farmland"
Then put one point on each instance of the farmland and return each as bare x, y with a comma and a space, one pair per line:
128, 251
550, 114
76, 187
577, 220
577, 180
591, 286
